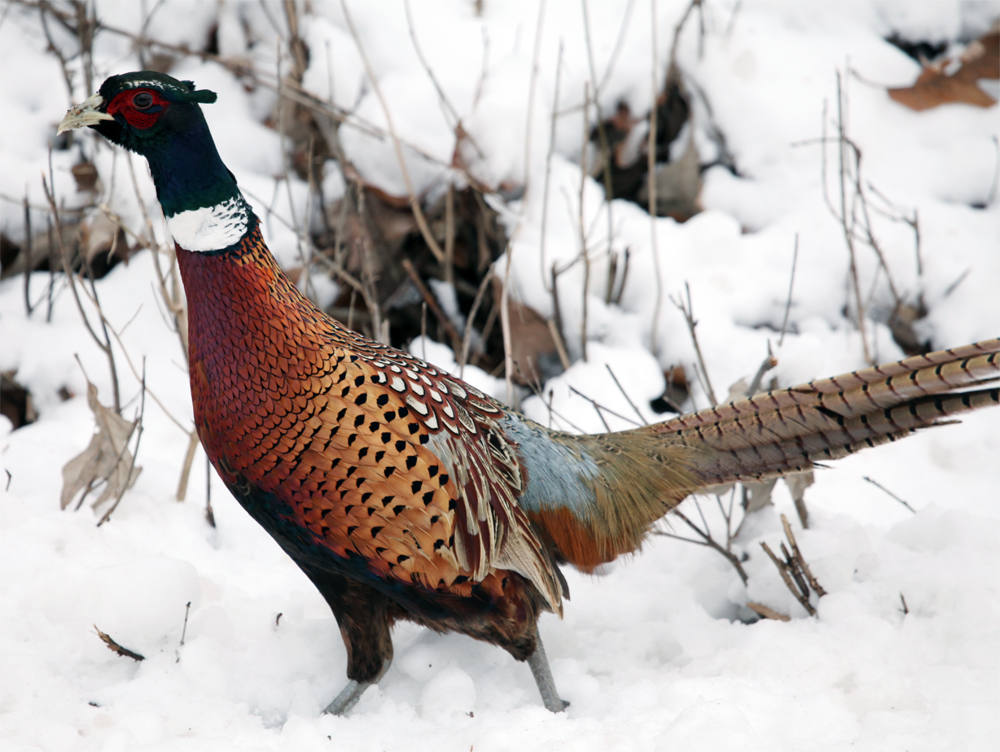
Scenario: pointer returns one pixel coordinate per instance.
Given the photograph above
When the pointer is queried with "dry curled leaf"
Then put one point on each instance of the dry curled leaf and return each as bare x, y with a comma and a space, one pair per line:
797, 484
758, 495
678, 186
106, 460
934, 86
115, 647
99, 234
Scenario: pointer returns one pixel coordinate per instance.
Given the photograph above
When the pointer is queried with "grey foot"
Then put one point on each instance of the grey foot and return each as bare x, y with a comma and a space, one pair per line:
543, 678
351, 693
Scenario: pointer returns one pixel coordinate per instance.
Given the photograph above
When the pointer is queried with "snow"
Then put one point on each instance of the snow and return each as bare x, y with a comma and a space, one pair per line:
658, 653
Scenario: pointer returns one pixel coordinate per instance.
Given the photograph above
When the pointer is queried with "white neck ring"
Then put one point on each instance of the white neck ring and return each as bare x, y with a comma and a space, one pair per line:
210, 228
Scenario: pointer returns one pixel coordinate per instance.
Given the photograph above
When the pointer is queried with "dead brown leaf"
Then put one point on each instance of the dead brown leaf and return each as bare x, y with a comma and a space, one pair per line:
532, 345
758, 494
85, 174
934, 86
797, 484
106, 460
115, 647
99, 234
678, 186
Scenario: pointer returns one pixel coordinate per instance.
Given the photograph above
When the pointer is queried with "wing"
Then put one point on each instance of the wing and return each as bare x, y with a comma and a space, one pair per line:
454, 426
381, 456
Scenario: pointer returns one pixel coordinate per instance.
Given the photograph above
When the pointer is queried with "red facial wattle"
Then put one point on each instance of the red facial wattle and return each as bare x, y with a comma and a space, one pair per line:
140, 107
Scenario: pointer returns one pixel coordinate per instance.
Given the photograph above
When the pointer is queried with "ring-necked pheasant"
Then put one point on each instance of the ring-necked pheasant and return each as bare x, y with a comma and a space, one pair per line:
404, 493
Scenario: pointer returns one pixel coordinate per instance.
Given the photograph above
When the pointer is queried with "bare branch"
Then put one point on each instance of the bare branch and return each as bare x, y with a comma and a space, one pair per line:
105, 343
539, 24
766, 365
601, 130
456, 123
794, 570
583, 231
800, 560
26, 250
432, 303
879, 485
767, 613
625, 394
688, 312
784, 570
182, 482
548, 169
209, 513
651, 182
791, 285
418, 213
469, 322
709, 541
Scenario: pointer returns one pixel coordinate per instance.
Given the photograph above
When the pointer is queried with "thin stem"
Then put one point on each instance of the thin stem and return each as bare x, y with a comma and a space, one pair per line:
688, 312
625, 394
548, 169
135, 453
469, 322
26, 251
104, 345
528, 128
846, 223
791, 285
651, 183
601, 130
418, 213
583, 232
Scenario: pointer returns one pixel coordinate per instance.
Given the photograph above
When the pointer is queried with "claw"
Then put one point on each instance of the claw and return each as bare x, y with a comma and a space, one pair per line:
352, 692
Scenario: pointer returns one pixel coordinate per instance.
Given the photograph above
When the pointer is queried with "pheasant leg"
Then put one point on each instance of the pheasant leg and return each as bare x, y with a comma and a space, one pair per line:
352, 692
543, 678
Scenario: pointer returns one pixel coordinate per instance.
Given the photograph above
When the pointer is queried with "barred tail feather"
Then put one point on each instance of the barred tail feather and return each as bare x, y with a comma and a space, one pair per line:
786, 431
594, 498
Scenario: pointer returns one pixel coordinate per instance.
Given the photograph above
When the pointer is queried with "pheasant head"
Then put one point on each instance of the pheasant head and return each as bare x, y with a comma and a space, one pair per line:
159, 118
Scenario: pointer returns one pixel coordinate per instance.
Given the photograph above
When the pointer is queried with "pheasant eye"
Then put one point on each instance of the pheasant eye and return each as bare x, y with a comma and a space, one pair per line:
142, 100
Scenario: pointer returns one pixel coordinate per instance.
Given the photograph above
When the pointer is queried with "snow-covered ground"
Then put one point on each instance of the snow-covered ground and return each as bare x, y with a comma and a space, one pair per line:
658, 654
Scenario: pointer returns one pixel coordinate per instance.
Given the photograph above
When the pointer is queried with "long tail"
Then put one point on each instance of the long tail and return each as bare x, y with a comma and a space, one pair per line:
776, 433
624, 482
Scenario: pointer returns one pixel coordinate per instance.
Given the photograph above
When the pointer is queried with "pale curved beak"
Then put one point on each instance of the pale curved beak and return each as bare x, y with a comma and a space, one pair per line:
86, 113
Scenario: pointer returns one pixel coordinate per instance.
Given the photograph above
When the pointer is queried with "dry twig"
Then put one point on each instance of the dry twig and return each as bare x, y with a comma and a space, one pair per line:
766, 612
688, 311
794, 570
103, 343
791, 286
706, 534
548, 169
431, 302
879, 485
651, 180
418, 213
467, 336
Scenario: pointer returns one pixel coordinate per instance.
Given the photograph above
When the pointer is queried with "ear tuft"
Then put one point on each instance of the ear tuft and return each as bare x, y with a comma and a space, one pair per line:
204, 96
